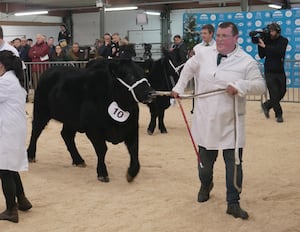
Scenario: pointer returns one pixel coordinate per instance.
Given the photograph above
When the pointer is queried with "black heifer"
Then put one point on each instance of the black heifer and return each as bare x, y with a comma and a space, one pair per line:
100, 101
163, 74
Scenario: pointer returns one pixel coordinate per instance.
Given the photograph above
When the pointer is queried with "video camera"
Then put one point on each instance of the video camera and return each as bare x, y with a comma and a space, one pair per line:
263, 34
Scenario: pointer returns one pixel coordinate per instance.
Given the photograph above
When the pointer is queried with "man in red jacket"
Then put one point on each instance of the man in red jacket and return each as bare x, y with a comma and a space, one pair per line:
39, 52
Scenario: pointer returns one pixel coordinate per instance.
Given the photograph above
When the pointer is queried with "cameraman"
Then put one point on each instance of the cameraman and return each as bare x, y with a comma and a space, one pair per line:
273, 50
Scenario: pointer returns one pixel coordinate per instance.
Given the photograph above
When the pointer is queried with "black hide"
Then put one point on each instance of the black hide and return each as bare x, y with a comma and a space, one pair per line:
79, 98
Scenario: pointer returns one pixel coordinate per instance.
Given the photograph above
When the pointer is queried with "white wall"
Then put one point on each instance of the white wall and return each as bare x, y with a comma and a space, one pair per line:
11, 32
86, 27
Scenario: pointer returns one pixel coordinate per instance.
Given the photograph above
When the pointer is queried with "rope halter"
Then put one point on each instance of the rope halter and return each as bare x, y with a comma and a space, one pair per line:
131, 88
176, 69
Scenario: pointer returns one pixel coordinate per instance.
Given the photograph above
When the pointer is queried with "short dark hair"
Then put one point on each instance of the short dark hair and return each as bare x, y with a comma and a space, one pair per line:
275, 27
234, 28
209, 27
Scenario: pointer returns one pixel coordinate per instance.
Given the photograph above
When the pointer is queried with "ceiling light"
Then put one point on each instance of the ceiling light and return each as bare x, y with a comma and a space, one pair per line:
152, 13
31, 13
274, 6
121, 8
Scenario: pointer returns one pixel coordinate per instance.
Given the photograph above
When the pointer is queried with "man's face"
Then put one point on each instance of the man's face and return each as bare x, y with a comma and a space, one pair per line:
107, 39
39, 39
274, 34
206, 36
225, 40
17, 43
115, 38
23, 42
50, 41
75, 48
177, 40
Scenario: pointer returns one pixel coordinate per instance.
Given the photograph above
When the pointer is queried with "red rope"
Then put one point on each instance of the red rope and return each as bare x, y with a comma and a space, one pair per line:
191, 136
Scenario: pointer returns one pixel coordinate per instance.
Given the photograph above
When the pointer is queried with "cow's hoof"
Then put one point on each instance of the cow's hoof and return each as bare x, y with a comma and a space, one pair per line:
150, 132
164, 131
129, 178
103, 179
81, 165
31, 160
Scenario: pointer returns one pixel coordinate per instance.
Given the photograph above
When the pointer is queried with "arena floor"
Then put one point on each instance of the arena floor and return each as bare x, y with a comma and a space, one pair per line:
163, 197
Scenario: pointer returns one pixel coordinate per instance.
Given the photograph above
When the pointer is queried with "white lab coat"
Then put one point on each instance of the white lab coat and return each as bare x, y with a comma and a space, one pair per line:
13, 127
213, 123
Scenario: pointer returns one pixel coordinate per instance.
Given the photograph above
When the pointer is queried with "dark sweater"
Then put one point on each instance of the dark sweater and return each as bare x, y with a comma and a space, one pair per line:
274, 52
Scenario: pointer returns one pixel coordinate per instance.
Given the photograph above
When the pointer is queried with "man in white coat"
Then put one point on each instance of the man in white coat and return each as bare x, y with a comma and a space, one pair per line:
219, 117
207, 36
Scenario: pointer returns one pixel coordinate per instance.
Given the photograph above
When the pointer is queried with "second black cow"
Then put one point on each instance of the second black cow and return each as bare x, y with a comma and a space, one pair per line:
162, 74
100, 101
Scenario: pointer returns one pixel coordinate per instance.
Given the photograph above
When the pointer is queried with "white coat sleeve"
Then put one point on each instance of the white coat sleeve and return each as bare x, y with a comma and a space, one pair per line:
190, 68
253, 83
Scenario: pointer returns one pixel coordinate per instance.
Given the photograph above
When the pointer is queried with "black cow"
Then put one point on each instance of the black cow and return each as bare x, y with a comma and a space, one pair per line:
81, 100
163, 74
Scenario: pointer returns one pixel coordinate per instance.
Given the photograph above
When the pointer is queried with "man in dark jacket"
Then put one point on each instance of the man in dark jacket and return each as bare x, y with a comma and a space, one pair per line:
180, 46
273, 50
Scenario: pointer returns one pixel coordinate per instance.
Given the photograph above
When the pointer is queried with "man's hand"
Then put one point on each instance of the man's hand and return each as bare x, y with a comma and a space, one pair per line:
261, 43
175, 94
231, 90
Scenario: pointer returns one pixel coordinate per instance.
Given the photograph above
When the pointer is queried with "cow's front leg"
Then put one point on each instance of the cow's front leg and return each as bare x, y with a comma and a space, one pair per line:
132, 144
153, 113
161, 124
68, 136
100, 147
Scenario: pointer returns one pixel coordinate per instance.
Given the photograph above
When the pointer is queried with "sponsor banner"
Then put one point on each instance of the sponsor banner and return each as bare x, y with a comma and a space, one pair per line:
289, 21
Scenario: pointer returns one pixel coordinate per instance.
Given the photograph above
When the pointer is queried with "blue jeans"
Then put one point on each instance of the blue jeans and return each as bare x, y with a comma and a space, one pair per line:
208, 158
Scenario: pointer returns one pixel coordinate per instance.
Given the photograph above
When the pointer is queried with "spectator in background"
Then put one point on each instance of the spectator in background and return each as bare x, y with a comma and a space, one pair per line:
180, 46
64, 36
39, 52
75, 53
30, 42
108, 49
98, 44
51, 45
115, 43
24, 50
58, 54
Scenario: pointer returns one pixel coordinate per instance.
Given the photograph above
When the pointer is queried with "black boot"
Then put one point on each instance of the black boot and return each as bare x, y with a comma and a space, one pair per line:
23, 203
203, 194
236, 211
10, 215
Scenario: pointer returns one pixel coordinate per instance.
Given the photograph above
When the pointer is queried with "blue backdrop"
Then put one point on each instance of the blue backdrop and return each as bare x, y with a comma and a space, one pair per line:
289, 20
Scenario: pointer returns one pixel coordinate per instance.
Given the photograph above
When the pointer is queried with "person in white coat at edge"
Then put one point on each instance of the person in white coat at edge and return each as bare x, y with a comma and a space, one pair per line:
13, 132
219, 118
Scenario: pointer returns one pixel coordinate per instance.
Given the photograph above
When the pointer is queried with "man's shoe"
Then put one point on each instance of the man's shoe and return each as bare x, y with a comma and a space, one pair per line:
10, 215
203, 194
279, 119
265, 110
236, 211
23, 203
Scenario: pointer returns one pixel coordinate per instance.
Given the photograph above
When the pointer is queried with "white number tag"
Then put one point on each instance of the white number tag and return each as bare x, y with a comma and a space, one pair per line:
117, 113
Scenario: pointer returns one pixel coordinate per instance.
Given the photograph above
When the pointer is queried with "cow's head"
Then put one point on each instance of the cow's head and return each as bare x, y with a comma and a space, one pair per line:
132, 77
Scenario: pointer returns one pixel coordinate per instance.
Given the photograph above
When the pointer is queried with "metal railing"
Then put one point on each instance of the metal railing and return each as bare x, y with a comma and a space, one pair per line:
35, 69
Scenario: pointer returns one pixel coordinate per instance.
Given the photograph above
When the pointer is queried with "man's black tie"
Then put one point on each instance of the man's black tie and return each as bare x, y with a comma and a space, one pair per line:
220, 56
